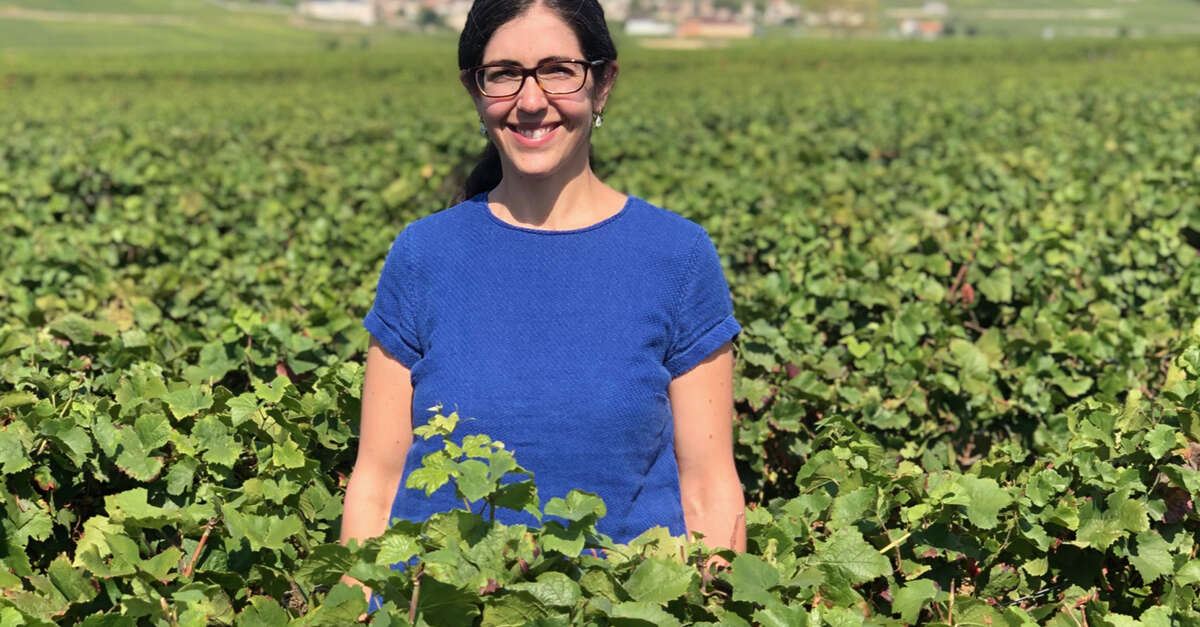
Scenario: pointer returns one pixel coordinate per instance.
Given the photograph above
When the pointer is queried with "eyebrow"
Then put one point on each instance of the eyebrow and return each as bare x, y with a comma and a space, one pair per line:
540, 61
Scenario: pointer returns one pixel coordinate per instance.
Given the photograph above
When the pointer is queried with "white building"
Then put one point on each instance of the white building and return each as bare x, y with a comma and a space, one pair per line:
360, 11
646, 27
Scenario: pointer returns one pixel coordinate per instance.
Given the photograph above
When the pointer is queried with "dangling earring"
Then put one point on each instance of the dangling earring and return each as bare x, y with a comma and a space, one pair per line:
482, 128
598, 119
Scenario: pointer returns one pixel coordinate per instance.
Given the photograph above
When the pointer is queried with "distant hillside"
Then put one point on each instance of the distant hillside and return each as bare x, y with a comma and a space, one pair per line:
1098, 18
167, 25
235, 26
178, 7
174, 7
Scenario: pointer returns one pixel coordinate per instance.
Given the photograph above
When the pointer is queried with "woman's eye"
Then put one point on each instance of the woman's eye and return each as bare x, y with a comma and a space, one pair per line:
557, 69
503, 74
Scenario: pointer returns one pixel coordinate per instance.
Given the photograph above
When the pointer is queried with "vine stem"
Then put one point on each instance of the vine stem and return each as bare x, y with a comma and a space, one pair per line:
212, 522
412, 603
67, 404
466, 503
895, 543
962, 270
167, 613
892, 543
950, 611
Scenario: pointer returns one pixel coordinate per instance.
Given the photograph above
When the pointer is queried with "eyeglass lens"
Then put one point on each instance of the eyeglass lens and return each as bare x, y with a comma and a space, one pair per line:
558, 77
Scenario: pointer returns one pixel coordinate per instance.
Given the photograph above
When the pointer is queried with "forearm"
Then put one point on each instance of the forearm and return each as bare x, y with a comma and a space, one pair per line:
713, 506
365, 510
367, 504
385, 437
711, 494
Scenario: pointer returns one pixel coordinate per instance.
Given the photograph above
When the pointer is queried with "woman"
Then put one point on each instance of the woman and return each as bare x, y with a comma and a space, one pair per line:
588, 330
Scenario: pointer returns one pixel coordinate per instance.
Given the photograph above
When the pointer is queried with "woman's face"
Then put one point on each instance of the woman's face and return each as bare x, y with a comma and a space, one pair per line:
537, 134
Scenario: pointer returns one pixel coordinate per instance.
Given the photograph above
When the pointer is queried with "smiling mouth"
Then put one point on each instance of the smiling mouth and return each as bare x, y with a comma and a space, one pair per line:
533, 132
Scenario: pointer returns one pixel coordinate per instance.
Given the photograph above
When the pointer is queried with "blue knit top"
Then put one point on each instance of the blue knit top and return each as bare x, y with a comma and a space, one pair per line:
559, 344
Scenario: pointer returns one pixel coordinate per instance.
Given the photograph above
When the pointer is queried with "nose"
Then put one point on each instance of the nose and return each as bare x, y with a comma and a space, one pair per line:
531, 98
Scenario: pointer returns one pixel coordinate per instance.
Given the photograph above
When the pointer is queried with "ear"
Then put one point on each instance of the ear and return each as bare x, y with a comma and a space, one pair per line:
604, 87
468, 83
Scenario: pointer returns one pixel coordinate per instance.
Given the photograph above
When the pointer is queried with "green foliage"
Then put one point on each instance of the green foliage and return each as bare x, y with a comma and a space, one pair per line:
968, 390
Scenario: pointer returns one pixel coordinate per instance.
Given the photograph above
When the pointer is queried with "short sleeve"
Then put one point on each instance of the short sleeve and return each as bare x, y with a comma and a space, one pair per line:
392, 319
703, 319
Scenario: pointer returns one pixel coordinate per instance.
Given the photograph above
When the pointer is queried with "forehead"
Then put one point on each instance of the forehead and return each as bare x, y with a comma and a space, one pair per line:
534, 35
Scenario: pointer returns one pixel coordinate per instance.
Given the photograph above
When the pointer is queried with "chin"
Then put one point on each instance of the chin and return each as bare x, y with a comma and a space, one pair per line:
534, 172
536, 168
542, 166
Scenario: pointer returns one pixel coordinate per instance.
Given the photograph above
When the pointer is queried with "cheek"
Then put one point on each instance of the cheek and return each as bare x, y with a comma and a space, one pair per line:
493, 110
578, 106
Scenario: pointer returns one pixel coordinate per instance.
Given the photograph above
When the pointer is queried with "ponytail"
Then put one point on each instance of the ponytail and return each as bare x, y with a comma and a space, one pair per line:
485, 177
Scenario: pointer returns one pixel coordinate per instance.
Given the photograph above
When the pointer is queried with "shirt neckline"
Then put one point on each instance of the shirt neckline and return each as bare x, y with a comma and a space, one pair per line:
482, 199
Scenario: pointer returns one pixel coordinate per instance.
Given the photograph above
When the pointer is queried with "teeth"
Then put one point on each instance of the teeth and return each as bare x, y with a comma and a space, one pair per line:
535, 133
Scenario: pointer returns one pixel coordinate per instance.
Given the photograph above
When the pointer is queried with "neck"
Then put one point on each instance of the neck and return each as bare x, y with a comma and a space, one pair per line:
567, 200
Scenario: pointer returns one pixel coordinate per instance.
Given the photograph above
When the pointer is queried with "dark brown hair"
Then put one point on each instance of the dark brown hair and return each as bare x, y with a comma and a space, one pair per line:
586, 19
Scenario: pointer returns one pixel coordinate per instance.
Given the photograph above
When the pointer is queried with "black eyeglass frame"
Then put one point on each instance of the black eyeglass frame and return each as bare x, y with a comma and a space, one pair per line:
527, 72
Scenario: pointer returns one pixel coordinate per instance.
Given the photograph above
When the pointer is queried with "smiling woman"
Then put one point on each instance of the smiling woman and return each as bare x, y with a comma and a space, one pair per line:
542, 132
587, 329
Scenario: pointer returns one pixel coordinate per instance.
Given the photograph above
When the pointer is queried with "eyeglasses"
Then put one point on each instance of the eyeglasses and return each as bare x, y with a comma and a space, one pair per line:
564, 76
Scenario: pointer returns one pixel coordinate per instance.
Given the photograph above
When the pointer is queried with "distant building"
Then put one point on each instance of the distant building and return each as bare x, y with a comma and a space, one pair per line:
616, 10
360, 11
846, 17
393, 12
454, 13
724, 29
938, 9
642, 18
927, 11
923, 29
646, 27
841, 18
781, 12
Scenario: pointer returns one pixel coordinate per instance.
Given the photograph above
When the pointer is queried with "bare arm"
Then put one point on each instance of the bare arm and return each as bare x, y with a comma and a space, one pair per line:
702, 401
384, 438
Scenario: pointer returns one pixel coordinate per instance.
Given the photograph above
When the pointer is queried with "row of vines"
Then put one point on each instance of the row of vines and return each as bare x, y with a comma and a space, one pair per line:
968, 389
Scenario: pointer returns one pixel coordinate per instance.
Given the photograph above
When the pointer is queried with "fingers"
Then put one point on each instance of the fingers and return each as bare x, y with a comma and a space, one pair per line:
715, 564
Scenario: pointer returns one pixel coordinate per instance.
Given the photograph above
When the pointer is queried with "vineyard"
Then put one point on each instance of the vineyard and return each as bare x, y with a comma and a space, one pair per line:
968, 389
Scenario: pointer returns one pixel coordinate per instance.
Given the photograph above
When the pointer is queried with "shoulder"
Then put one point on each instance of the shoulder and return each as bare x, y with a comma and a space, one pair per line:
666, 231
441, 223
665, 221
434, 235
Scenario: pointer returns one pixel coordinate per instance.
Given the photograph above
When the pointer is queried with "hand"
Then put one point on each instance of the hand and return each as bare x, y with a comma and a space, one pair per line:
709, 582
713, 565
351, 581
